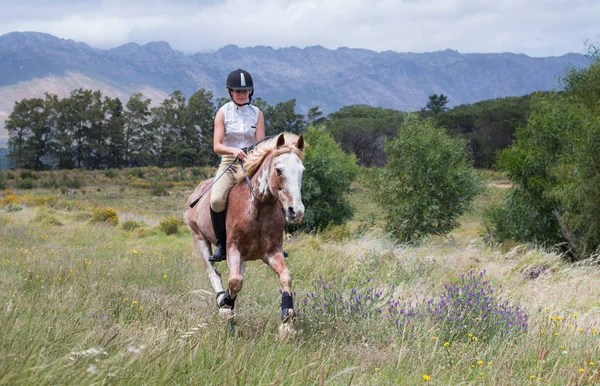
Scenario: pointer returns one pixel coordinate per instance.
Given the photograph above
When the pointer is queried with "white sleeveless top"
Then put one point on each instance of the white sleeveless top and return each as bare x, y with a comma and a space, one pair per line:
240, 124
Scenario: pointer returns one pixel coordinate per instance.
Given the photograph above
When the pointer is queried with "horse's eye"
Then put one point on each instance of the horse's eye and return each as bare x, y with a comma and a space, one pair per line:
279, 172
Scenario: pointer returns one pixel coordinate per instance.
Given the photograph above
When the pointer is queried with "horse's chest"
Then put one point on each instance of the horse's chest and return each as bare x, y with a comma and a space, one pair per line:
253, 236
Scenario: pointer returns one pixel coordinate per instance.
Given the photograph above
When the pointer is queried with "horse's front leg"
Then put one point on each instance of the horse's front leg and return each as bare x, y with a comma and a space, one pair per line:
277, 262
226, 299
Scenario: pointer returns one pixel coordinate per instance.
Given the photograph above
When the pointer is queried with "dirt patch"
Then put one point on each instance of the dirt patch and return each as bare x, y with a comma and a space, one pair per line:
501, 184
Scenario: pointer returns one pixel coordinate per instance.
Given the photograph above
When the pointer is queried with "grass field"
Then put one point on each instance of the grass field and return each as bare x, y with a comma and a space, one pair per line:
85, 299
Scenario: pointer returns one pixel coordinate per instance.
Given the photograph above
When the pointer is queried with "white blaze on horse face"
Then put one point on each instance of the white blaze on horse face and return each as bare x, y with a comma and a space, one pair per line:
291, 193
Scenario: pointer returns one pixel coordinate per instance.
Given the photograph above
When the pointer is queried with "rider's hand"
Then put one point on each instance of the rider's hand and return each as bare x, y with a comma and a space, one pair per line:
239, 153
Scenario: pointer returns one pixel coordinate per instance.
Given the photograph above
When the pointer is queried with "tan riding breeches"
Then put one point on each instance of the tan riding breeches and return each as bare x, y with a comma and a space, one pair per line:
220, 190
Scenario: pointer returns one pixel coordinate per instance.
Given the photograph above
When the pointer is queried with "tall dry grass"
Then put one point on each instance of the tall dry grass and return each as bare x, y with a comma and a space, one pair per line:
83, 302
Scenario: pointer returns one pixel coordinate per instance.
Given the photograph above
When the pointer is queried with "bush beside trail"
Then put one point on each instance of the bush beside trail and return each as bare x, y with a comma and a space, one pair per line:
554, 166
428, 182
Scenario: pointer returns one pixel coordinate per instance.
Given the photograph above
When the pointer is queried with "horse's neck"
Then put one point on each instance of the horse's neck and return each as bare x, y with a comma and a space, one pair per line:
260, 188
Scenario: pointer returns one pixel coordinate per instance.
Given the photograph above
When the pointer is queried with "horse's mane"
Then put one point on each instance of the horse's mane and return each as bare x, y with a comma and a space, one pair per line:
257, 155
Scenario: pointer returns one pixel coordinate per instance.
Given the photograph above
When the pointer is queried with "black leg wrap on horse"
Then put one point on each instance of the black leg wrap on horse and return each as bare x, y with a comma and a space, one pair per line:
227, 301
287, 304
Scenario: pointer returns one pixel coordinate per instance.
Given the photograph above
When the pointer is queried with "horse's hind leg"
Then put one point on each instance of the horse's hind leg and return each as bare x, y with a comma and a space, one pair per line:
214, 276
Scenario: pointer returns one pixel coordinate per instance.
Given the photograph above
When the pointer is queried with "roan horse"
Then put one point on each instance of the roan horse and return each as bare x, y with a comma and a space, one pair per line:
255, 220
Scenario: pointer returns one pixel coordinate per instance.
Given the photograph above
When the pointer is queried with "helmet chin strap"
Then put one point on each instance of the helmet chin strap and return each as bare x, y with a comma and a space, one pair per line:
243, 104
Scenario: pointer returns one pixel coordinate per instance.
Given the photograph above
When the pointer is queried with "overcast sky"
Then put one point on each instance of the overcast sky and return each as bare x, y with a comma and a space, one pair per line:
532, 27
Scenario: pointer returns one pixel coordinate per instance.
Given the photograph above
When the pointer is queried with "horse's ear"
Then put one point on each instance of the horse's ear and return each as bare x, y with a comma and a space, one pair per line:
280, 141
300, 143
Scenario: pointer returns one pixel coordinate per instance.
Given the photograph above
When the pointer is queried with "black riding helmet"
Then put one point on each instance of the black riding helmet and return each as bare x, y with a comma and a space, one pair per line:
240, 80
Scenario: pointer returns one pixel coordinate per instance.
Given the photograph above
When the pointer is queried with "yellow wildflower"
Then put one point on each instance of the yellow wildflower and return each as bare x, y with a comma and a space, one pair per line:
426, 377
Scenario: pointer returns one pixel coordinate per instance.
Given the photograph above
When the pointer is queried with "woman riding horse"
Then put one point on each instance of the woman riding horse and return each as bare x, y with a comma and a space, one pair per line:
268, 194
255, 214
238, 125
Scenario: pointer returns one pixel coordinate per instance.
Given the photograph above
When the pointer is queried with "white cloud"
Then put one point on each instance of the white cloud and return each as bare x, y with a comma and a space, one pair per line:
534, 27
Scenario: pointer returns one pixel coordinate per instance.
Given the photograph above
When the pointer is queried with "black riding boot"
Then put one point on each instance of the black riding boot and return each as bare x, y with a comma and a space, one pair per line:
218, 223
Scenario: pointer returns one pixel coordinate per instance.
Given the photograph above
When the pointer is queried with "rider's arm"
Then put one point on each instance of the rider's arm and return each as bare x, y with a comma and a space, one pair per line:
260, 126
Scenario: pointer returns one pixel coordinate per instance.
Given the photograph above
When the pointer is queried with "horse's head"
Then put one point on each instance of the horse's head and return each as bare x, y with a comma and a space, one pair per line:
285, 179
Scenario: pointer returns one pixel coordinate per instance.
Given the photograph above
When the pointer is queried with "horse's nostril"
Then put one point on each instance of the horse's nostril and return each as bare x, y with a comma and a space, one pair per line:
291, 212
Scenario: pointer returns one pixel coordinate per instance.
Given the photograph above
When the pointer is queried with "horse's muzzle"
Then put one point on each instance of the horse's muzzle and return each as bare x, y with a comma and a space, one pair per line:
294, 215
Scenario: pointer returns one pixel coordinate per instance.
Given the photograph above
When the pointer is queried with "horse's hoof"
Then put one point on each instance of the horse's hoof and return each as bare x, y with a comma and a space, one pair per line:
224, 300
286, 331
226, 313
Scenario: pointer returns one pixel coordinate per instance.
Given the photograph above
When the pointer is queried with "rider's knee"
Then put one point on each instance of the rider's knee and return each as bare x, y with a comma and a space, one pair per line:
217, 205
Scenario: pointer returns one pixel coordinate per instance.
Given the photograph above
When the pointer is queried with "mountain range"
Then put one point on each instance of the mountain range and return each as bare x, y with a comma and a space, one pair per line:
32, 63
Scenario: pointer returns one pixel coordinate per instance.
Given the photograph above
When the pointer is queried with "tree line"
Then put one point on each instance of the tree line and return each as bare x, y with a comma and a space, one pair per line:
90, 131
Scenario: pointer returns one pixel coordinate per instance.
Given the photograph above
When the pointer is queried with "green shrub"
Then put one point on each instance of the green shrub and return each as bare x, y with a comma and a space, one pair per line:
70, 182
50, 182
554, 166
139, 173
47, 217
130, 225
170, 225
427, 183
159, 188
3, 184
12, 207
25, 184
28, 175
105, 215
326, 183
110, 173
